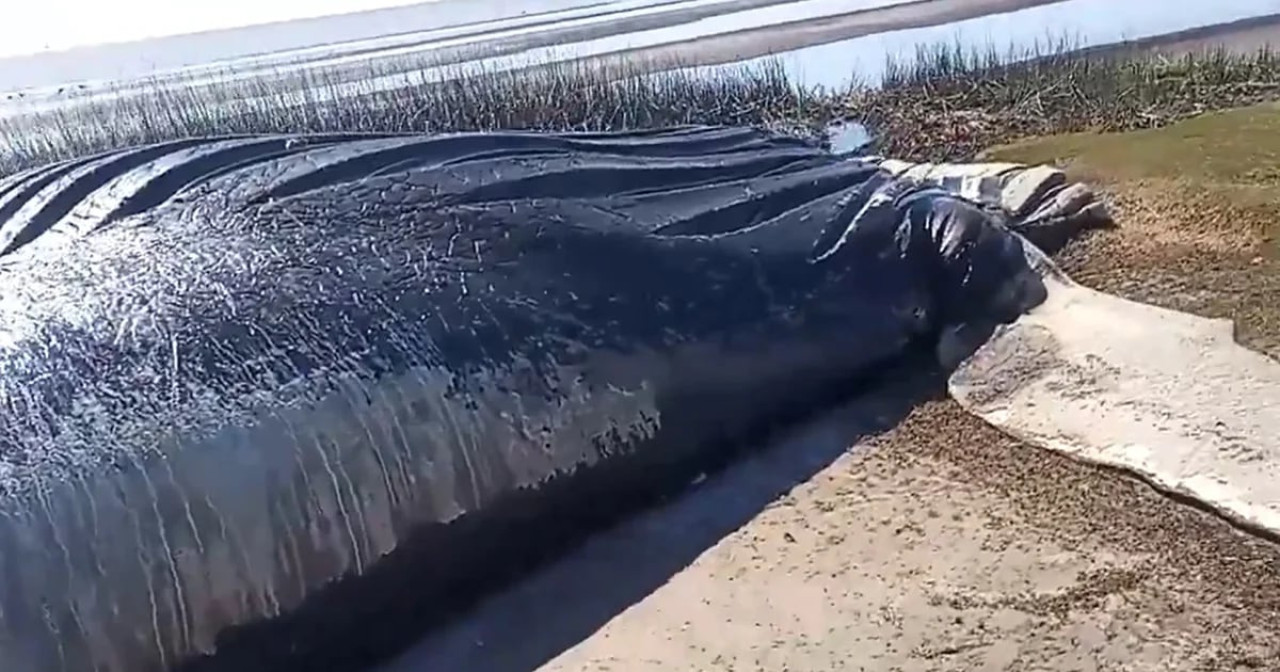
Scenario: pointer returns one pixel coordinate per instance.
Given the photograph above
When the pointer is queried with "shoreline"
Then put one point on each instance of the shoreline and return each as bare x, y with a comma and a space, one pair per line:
724, 49
730, 48
1239, 37
439, 52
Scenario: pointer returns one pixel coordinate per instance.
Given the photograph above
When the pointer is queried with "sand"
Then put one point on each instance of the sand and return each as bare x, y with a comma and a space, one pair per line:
902, 533
939, 545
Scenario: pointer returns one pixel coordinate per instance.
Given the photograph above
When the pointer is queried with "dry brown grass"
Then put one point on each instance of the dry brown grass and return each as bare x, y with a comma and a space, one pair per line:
950, 104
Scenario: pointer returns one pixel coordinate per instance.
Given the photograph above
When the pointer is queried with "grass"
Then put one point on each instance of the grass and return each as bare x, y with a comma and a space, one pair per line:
1198, 202
950, 103
561, 97
946, 103
1235, 147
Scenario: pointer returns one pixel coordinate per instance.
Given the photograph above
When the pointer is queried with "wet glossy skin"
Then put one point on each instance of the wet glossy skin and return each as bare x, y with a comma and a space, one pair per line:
234, 371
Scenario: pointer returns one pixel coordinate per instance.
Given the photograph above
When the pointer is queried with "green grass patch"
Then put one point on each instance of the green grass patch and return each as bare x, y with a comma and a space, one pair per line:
1236, 146
1198, 208
1235, 153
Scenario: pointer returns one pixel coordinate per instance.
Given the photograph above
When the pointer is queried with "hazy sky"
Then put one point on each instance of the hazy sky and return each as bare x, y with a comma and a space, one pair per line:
32, 26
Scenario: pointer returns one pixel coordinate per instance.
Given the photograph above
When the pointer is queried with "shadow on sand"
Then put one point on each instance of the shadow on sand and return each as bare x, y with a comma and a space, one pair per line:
562, 604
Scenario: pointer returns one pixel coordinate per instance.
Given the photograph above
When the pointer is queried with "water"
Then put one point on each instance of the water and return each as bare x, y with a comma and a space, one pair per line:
141, 59
1083, 22
398, 57
849, 138
415, 31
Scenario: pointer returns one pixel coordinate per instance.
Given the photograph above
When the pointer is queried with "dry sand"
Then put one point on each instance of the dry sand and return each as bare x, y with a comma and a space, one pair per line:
939, 545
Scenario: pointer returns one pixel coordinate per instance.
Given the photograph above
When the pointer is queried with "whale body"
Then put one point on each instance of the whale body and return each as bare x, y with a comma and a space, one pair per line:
272, 402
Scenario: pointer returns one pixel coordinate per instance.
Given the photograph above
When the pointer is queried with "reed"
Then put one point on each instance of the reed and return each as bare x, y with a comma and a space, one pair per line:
948, 102
565, 96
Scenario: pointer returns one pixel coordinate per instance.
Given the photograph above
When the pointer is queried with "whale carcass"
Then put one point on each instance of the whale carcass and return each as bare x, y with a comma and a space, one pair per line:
271, 402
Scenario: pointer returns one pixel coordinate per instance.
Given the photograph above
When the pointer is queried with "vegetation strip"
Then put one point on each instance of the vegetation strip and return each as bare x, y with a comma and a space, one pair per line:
947, 104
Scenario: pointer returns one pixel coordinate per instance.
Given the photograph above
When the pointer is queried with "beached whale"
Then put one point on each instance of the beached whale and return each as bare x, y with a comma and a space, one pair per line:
271, 403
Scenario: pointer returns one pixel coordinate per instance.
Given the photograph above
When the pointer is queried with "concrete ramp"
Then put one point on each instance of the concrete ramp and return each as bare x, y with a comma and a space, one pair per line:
1166, 395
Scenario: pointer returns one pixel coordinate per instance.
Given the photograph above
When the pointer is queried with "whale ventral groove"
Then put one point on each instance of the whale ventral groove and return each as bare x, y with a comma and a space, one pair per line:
279, 402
